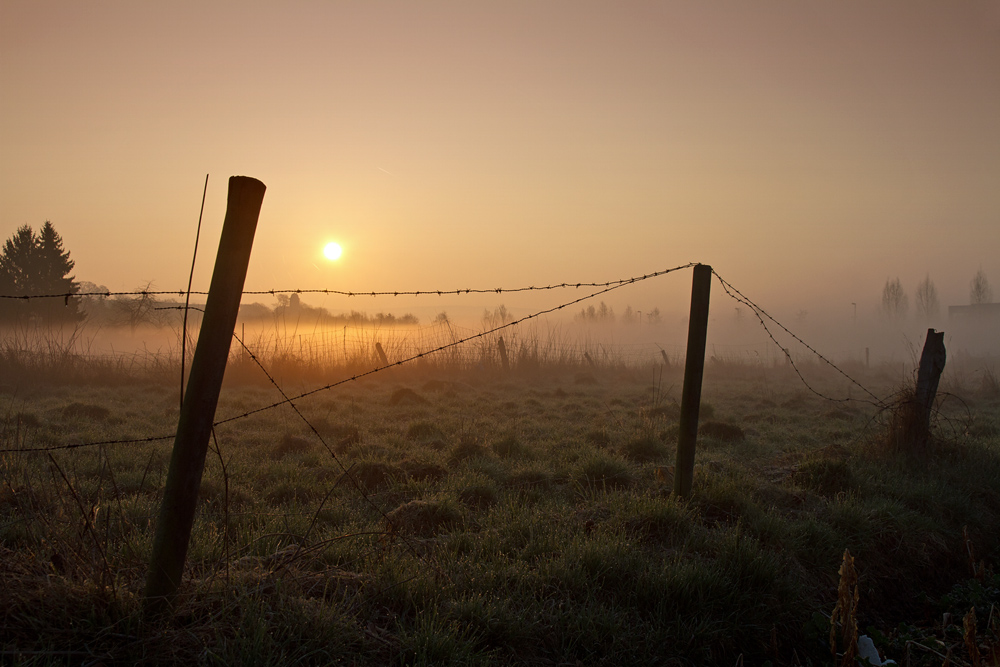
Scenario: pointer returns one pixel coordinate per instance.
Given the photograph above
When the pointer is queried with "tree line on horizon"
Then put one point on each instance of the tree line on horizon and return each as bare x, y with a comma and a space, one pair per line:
896, 304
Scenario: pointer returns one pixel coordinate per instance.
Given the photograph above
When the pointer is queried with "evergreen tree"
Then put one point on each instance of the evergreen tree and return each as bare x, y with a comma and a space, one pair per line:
33, 265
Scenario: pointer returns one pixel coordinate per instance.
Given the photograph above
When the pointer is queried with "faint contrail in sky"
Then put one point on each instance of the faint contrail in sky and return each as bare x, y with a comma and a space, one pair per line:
386, 171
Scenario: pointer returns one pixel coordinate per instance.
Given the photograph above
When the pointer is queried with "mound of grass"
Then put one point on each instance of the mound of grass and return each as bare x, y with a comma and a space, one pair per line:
509, 446
826, 476
86, 411
425, 518
465, 450
406, 396
424, 470
424, 431
722, 431
603, 471
291, 444
373, 475
645, 448
479, 495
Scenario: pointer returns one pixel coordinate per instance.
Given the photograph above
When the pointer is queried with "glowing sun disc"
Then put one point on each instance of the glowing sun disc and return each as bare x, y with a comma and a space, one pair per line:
332, 251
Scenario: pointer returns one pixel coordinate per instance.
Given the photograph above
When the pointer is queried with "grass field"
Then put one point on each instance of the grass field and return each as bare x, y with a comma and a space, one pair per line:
479, 517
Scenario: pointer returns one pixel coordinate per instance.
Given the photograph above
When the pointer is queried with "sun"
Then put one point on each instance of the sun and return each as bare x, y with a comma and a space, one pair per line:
332, 251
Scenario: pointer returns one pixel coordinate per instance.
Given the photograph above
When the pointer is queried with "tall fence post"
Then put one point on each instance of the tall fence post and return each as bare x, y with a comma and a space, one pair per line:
694, 368
194, 425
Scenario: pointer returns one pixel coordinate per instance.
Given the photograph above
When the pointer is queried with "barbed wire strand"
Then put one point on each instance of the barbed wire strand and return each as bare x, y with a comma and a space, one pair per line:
393, 528
611, 286
273, 292
762, 314
452, 344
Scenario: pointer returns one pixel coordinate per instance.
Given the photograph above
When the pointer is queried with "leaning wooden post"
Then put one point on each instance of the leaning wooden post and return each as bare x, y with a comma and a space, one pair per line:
694, 367
932, 361
194, 425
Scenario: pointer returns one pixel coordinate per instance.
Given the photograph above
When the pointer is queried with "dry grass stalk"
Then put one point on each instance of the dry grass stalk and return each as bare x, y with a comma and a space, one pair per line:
969, 634
846, 611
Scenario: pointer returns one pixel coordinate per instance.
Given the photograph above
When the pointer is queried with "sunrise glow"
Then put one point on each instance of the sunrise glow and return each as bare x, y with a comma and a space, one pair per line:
332, 251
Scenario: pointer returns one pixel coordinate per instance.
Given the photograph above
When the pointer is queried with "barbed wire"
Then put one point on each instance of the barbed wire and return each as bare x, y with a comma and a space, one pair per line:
392, 528
433, 292
608, 287
762, 314
455, 343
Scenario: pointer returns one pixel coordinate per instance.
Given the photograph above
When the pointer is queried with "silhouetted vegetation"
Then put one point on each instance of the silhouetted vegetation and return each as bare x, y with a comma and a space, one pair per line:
36, 264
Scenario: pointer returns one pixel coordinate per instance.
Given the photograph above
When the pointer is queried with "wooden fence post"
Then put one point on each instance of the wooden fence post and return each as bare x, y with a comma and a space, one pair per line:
694, 367
503, 354
381, 354
932, 361
194, 425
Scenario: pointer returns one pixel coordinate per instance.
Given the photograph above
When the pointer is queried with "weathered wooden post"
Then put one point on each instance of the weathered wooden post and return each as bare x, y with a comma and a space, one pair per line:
503, 354
194, 425
694, 368
932, 361
381, 354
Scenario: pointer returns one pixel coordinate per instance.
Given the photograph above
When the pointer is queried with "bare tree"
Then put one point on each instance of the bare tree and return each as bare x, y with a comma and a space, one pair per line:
895, 303
979, 289
928, 306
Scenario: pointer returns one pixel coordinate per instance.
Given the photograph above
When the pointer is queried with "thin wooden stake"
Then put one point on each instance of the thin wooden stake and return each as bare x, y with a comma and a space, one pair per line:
194, 425
503, 354
694, 367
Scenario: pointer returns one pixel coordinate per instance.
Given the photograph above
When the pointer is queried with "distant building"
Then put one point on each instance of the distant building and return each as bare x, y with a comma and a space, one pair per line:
977, 313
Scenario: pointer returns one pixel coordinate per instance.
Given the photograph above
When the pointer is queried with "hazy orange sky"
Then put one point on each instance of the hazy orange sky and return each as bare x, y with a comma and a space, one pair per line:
803, 149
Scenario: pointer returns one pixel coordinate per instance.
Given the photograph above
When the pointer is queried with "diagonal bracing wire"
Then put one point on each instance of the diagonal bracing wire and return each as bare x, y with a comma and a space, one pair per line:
762, 315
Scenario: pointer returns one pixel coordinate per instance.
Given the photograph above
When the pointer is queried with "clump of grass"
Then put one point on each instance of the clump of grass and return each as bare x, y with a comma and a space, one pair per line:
990, 384
509, 446
77, 410
425, 518
373, 475
906, 430
423, 470
480, 495
289, 445
424, 431
406, 396
603, 471
644, 448
467, 449
598, 437
722, 431
826, 476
